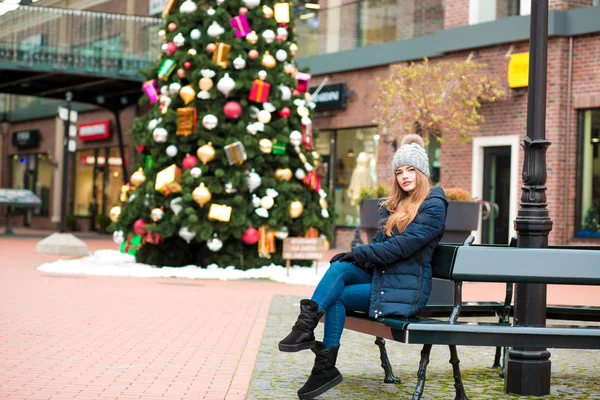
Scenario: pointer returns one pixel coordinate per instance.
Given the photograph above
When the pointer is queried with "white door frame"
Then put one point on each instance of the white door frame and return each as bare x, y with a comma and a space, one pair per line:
479, 143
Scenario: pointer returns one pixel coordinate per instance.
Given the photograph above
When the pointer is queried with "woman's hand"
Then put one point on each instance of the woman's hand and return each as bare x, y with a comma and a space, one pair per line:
347, 257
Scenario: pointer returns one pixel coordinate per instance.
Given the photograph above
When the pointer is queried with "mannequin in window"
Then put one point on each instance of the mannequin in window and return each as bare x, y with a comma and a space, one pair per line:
361, 178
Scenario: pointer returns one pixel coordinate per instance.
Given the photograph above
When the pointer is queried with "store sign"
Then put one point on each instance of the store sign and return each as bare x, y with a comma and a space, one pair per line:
97, 130
25, 139
330, 97
156, 6
112, 161
518, 70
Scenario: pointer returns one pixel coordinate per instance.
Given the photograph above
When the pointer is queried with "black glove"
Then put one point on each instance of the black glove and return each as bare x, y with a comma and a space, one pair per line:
337, 257
348, 257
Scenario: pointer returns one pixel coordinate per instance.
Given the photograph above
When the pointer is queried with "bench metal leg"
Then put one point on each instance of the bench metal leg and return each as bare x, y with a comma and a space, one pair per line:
498, 349
458, 385
385, 362
422, 372
504, 352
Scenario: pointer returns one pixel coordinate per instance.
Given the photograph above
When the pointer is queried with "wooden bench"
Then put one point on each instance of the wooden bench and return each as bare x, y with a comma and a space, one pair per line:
480, 263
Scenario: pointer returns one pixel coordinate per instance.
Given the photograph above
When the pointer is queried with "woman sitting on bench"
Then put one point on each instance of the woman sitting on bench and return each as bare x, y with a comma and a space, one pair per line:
390, 277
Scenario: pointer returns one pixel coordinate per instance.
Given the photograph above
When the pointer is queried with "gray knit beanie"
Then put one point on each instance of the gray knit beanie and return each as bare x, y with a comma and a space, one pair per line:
411, 153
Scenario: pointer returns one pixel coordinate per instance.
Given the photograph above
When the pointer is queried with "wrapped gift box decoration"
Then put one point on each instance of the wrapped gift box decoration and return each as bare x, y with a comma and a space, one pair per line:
221, 54
282, 13
187, 118
279, 148
236, 153
169, 180
132, 245
151, 90
219, 212
165, 70
240, 25
302, 79
260, 91
307, 136
168, 9
266, 242
313, 180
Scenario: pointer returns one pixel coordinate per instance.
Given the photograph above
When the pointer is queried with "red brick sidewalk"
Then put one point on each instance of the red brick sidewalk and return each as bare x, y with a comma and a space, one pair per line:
88, 337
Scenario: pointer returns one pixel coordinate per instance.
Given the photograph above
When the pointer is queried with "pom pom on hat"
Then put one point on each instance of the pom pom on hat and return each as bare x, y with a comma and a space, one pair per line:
411, 153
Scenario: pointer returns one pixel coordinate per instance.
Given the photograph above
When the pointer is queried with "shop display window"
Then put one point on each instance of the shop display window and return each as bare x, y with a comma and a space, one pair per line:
588, 179
351, 158
98, 181
32, 172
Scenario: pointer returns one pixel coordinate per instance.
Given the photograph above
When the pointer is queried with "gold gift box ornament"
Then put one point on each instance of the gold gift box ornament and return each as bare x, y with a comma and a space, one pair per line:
219, 212
221, 54
169, 180
282, 13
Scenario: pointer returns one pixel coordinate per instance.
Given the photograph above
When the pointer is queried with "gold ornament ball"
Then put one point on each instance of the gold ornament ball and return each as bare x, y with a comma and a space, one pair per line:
114, 213
267, 202
268, 11
206, 153
268, 60
192, 52
252, 37
264, 116
201, 195
283, 174
157, 215
187, 94
138, 177
162, 34
293, 48
302, 111
265, 145
296, 208
205, 83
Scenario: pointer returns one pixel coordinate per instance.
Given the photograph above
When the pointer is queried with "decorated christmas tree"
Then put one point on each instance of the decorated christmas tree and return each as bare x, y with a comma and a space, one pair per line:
225, 165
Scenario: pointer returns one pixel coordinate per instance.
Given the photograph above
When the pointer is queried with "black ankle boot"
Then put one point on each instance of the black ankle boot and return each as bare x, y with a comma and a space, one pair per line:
302, 336
324, 374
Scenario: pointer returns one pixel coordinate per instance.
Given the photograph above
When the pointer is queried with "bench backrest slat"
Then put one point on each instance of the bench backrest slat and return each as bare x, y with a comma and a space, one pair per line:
443, 261
550, 265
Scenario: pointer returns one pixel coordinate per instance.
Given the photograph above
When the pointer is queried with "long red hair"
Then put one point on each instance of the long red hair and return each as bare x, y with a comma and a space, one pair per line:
403, 206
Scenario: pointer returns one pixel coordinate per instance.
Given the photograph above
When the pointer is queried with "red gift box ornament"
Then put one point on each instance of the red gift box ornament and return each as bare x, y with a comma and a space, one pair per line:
313, 180
260, 91
240, 25
302, 79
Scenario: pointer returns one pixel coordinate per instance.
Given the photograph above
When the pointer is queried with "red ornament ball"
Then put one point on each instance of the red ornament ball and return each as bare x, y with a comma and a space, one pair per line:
187, 65
171, 48
296, 92
232, 110
280, 38
211, 47
140, 148
250, 237
285, 112
189, 162
172, 26
243, 10
139, 227
181, 73
253, 54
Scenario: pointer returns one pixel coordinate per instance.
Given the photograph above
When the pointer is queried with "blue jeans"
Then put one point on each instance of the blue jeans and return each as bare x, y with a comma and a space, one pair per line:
344, 286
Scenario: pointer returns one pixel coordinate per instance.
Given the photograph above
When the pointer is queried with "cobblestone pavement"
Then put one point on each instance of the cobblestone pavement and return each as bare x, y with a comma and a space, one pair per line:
279, 375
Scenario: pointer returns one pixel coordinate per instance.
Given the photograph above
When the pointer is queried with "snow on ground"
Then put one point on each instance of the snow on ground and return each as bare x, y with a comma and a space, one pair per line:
115, 263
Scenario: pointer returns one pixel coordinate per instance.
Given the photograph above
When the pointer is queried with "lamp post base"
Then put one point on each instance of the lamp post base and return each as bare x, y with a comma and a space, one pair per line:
534, 369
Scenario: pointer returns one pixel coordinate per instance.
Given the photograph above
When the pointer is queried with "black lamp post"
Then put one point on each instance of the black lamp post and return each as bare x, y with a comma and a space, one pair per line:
528, 370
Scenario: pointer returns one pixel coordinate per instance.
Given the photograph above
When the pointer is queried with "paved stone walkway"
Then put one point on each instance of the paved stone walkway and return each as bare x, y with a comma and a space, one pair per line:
279, 375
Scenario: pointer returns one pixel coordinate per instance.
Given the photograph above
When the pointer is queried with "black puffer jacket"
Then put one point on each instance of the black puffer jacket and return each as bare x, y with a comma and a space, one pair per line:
402, 262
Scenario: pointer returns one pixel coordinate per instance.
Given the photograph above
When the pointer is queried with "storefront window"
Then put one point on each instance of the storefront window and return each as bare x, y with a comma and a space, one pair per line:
33, 172
355, 160
588, 204
98, 181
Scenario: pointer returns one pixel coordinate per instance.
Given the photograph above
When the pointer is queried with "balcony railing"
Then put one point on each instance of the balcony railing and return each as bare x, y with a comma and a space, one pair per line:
85, 41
